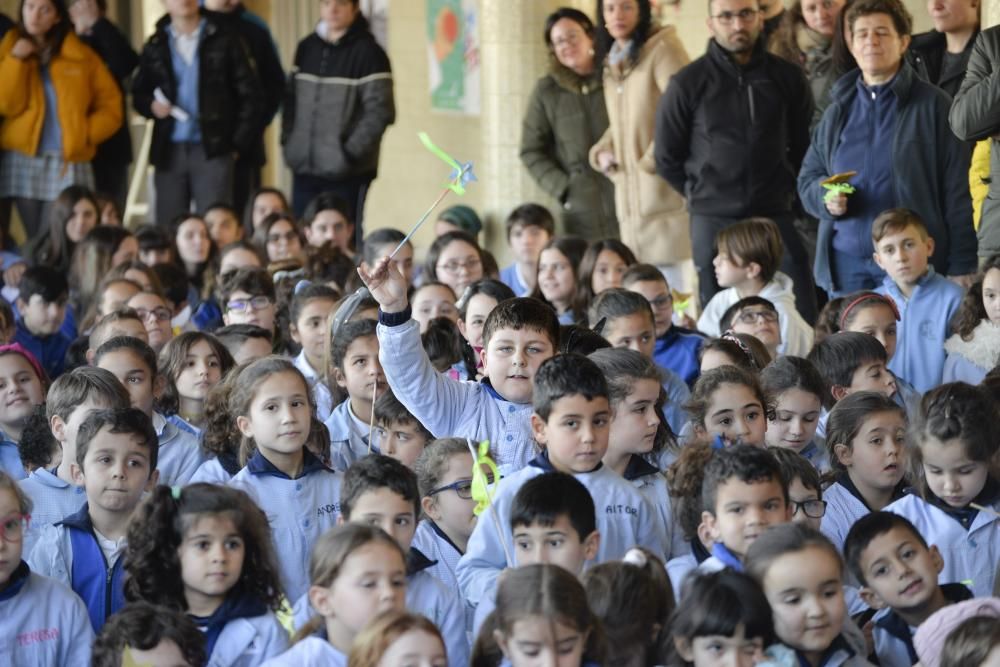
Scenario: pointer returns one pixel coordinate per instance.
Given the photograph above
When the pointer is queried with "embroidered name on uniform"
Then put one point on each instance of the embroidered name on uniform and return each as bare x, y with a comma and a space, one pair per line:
621, 509
37, 636
333, 508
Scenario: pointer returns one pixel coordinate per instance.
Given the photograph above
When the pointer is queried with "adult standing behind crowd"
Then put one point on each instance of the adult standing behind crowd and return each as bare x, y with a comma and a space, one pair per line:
942, 54
338, 105
58, 102
565, 117
639, 61
892, 128
731, 131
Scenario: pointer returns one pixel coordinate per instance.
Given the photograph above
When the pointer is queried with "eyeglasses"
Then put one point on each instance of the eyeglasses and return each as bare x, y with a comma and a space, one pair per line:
661, 301
744, 15
160, 314
463, 487
454, 267
754, 316
256, 303
814, 509
13, 526
571, 39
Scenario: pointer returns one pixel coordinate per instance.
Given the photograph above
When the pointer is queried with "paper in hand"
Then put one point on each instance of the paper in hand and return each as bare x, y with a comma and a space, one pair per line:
175, 111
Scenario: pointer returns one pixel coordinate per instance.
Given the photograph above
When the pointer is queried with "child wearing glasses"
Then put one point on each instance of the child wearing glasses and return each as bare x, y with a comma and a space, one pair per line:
757, 317
746, 264
247, 297
456, 260
805, 492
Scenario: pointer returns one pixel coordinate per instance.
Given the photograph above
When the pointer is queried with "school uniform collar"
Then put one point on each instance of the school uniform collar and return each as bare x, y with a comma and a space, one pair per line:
258, 465
698, 550
845, 481
965, 516
159, 423
897, 293
79, 520
18, 578
241, 605
542, 461
416, 561
488, 386
444, 536
894, 624
728, 558
810, 451
230, 462
839, 644
638, 467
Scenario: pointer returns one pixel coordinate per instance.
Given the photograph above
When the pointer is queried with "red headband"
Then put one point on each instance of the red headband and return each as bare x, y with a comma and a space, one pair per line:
871, 296
17, 348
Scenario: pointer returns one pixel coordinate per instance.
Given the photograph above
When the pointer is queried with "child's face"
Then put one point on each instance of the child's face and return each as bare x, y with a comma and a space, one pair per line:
362, 374
115, 472
872, 376
384, 508
556, 277
211, 557
633, 429
900, 572
310, 330
20, 390
402, 261
264, 205
635, 331
402, 440
415, 647
806, 594
991, 295
193, 241
132, 372
876, 456
451, 512
527, 241
41, 317
904, 254
796, 416
512, 357
608, 271
251, 348
331, 227
433, 301
877, 320
715, 359
283, 242
539, 641
83, 219
247, 313
951, 475
728, 271
760, 322
151, 309
12, 540
476, 311
65, 431
576, 433
238, 258
735, 413
660, 300
799, 494
280, 416
223, 227
714, 650
200, 372
743, 511
127, 326
459, 265
558, 544
115, 296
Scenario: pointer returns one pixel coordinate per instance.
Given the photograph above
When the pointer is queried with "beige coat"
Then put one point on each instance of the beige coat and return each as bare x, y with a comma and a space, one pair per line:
652, 215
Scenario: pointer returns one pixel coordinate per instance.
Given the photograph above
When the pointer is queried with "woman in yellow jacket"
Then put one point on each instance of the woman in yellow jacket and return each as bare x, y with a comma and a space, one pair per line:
58, 102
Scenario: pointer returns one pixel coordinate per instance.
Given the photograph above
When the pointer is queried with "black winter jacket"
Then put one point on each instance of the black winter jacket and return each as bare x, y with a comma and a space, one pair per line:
731, 138
229, 97
117, 53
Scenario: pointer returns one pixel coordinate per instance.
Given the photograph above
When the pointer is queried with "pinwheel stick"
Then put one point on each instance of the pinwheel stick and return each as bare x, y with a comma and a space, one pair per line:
493, 510
427, 213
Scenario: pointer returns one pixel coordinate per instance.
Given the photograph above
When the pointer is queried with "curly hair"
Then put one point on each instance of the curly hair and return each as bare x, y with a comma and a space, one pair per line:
220, 437
152, 565
710, 381
144, 626
684, 478
972, 311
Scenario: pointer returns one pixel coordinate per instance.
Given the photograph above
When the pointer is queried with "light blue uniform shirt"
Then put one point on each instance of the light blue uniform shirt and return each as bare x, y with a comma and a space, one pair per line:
247, 642
678, 394
322, 396
212, 472
511, 277
179, 455
348, 437
310, 652
53, 499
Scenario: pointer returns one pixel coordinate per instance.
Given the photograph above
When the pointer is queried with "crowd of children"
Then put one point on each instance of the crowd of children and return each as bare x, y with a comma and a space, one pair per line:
266, 450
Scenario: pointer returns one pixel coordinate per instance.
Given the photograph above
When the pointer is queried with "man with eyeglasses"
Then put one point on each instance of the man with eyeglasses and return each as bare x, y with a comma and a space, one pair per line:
731, 131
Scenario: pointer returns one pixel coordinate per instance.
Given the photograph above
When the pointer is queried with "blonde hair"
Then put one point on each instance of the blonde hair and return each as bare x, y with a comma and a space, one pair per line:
374, 641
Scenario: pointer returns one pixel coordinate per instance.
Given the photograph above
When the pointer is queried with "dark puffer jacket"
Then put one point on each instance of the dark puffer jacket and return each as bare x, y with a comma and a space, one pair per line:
229, 98
338, 105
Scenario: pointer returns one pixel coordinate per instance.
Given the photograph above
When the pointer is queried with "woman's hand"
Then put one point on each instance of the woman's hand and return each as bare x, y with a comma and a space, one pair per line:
23, 49
837, 205
606, 162
161, 110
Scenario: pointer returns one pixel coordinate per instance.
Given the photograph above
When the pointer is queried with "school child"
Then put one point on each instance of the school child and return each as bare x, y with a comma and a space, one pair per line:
155, 312
32, 605
191, 365
301, 497
926, 301
733, 349
746, 264
795, 390
221, 440
634, 387
954, 446
398, 433
22, 387
327, 219
223, 575
149, 633
309, 316
115, 463
557, 274
603, 266
723, 618
41, 304
529, 228
757, 317
727, 407
518, 336
247, 296
455, 259
382, 242
628, 322
433, 299
245, 342
122, 322
224, 226
72, 397
805, 490
571, 424
357, 370
974, 347
802, 574
542, 615
676, 348
898, 573
475, 305
398, 638
134, 364
37, 447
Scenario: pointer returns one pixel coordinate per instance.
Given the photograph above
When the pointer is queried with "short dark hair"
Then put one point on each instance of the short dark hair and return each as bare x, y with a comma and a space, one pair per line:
837, 356
745, 463
378, 472
388, 410
901, 18
895, 220
122, 421
783, 539
618, 302
494, 289
643, 273
531, 215
326, 201
45, 281
153, 237
253, 281
347, 334
522, 313
756, 240
379, 238
313, 292
173, 281
143, 626
580, 339
567, 375
574, 15
794, 466
237, 334
726, 321
789, 372
849, 415
135, 345
543, 499
866, 529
